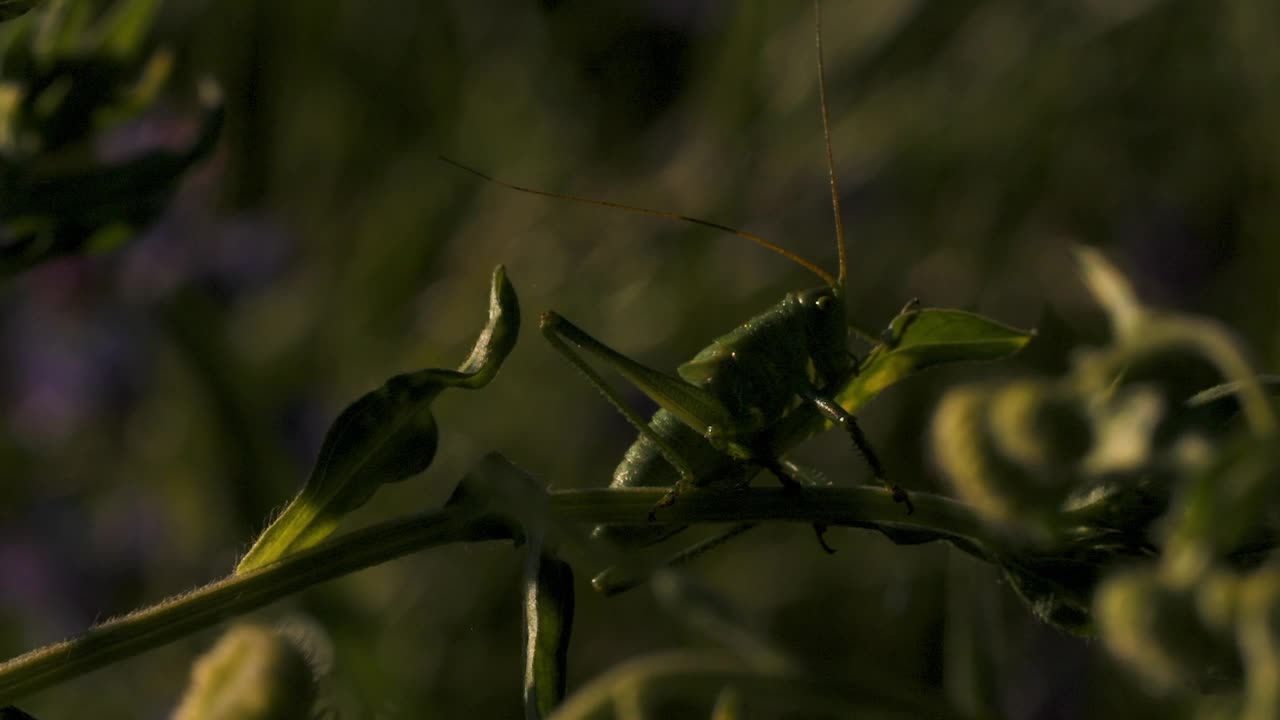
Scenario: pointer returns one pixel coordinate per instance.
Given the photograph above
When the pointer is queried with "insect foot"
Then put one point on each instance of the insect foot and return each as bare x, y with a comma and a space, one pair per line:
900, 495
681, 487
667, 501
821, 531
794, 478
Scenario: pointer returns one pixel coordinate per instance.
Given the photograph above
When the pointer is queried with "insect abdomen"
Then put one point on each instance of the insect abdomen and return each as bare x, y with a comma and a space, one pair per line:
644, 465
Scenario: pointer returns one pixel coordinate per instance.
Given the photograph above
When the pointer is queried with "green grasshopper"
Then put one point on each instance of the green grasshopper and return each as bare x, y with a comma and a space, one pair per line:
745, 400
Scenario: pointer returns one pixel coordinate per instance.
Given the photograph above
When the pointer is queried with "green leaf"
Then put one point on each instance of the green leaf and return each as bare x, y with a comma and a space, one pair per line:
386, 436
921, 339
548, 621
10, 9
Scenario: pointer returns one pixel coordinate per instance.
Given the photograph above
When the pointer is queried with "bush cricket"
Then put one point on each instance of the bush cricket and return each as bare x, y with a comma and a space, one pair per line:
747, 398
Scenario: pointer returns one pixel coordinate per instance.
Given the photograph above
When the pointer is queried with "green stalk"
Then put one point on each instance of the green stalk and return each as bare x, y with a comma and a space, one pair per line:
199, 609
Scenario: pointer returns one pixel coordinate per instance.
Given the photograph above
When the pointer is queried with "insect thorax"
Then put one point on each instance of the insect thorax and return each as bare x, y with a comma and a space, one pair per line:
764, 364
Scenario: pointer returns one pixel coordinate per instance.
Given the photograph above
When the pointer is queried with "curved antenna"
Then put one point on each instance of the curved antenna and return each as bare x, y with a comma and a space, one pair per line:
826, 136
826, 276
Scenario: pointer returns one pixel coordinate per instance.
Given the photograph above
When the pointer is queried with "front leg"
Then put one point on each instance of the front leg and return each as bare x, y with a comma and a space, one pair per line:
837, 415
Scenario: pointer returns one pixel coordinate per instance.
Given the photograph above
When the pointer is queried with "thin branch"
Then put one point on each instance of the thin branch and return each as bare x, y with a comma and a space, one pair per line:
204, 607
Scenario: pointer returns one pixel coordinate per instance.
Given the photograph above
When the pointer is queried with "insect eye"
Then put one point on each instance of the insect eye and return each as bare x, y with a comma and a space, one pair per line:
824, 302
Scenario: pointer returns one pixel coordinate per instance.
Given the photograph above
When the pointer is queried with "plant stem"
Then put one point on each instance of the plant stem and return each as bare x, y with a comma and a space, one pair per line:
848, 506
204, 607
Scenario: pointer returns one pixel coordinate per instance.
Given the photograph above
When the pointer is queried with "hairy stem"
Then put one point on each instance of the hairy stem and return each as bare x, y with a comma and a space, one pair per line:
205, 607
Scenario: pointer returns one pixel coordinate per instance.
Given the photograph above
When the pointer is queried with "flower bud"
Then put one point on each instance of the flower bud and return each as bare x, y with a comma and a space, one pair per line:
252, 673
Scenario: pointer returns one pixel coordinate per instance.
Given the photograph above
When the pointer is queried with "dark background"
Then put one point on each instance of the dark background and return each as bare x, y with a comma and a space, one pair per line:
161, 401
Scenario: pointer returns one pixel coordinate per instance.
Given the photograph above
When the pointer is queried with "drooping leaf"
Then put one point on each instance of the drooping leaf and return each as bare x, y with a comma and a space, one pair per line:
513, 504
921, 339
548, 622
386, 436
512, 501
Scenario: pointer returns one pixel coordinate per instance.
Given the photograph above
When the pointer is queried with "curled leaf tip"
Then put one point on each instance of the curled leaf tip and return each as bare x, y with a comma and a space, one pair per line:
386, 436
499, 336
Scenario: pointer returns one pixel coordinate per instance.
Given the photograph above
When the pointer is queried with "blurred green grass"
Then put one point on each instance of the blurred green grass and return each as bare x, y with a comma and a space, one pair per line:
975, 143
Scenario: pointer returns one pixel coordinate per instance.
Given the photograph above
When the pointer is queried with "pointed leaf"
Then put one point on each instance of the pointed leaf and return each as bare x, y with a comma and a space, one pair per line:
384, 437
921, 339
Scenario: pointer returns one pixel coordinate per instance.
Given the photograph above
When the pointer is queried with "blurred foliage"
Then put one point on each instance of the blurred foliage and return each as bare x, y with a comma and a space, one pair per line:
1150, 523
162, 399
68, 77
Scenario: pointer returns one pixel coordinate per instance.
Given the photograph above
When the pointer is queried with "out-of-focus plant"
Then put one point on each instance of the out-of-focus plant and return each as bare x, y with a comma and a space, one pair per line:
1130, 498
1130, 502
253, 673
69, 73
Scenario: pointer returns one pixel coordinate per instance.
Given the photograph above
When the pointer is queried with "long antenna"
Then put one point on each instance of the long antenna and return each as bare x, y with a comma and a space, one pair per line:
826, 276
826, 136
